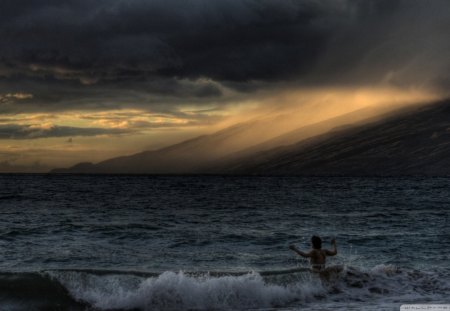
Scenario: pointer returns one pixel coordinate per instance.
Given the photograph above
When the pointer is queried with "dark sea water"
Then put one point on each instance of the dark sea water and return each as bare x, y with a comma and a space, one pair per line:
220, 243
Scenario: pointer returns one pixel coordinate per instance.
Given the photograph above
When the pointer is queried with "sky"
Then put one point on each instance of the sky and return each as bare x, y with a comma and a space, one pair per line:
86, 80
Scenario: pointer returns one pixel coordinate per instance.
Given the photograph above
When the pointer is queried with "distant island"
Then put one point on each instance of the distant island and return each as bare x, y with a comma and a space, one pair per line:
410, 141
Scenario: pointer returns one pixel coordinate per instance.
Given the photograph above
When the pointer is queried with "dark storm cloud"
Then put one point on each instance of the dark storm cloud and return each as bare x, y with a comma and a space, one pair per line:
80, 52
15, 131
113, 40
51, 94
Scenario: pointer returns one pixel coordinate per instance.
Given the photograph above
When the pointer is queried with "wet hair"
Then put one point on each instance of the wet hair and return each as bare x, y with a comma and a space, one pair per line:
316, 242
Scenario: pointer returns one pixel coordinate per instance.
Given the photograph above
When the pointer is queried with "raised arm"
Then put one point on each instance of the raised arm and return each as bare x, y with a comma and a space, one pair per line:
333, 251
295, 249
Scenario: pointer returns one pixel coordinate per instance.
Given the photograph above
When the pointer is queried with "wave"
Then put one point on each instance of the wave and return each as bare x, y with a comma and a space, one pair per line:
35, 291
81, 289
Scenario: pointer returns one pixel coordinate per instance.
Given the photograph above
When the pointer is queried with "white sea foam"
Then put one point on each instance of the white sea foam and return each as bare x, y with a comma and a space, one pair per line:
184, 291
178, 291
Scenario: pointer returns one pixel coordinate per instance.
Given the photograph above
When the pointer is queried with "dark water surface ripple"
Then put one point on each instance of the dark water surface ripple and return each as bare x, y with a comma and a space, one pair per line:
219, 223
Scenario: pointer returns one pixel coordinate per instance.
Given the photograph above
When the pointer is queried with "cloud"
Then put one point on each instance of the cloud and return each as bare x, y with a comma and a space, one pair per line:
111, 122
113, 40
15, 131
18, 96
141, 120
107, 54
12, 97
53, 95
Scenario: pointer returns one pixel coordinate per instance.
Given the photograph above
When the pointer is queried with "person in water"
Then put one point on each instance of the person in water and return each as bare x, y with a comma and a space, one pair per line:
317, 255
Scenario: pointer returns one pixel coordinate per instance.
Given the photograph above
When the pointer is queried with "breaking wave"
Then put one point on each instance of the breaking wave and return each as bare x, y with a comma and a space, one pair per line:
122, 290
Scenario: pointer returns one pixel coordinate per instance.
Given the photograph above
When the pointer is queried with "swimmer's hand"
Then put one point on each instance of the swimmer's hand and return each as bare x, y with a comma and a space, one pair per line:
292, 246
333, 242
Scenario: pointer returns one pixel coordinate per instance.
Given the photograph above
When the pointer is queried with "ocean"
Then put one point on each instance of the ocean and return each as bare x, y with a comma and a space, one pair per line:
74, 242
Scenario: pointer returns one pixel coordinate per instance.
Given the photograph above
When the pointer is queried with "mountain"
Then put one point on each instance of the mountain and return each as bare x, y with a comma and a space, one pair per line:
415, 141
353, 118
183, 157
411, 140
190, 155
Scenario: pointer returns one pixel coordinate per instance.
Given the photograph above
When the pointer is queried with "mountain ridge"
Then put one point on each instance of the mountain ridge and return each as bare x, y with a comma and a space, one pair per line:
414, 142
342, 150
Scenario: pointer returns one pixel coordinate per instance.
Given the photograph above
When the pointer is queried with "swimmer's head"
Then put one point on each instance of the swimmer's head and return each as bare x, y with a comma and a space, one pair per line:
316, 242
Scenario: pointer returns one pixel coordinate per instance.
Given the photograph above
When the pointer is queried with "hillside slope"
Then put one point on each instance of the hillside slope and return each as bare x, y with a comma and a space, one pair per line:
413, 142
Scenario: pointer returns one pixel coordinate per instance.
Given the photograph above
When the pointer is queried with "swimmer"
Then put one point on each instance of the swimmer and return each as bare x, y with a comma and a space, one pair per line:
317, 255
